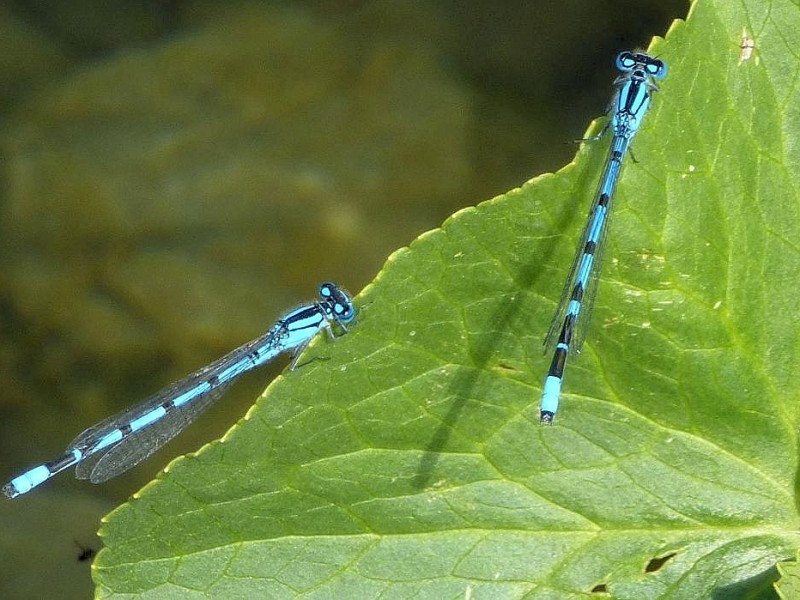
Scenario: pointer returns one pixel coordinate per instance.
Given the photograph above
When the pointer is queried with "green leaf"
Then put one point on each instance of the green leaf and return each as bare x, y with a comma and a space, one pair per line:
411, 463
788, 586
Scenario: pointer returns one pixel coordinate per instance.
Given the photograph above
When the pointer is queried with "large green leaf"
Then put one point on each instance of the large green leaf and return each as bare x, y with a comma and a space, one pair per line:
411, 463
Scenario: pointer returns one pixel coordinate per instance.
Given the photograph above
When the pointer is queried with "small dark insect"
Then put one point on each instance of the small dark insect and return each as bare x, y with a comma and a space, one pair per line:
600, 588
87, 553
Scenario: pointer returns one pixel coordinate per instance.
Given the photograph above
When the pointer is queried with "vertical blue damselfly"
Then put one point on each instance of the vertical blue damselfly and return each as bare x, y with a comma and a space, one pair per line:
633, 91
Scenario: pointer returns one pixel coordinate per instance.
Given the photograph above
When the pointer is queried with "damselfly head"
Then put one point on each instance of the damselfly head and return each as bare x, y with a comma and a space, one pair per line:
630, 61
339, 303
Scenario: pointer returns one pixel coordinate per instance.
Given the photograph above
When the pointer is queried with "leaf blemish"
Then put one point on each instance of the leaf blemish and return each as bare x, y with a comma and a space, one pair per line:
600, 588
747, 45
655, 564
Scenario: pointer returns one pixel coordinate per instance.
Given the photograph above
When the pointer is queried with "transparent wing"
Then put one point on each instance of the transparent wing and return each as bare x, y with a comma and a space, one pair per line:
589, 296
558, 317
141, 444
590, 293
569, 284
210, 382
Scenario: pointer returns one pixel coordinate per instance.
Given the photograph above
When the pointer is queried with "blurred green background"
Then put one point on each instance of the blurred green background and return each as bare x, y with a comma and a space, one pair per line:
175, 175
